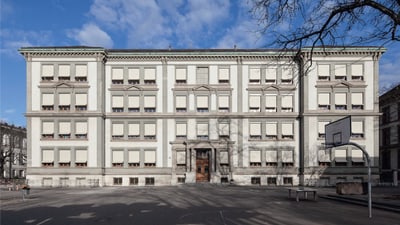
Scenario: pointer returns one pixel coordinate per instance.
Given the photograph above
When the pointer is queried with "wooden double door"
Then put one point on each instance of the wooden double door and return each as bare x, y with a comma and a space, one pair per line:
202, 165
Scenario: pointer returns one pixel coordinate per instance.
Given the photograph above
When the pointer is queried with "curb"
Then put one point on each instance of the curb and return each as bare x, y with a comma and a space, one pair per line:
361, 202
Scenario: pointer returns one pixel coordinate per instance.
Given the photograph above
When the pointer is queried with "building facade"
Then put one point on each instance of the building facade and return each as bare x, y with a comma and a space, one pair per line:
101, 117
389, 128
13, 144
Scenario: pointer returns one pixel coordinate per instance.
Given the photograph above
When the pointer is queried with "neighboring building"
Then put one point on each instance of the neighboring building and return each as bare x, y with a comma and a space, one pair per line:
13, 145
389, 104
162, 117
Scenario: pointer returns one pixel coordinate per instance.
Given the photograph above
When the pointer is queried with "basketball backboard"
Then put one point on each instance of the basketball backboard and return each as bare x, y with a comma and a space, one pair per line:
338, 132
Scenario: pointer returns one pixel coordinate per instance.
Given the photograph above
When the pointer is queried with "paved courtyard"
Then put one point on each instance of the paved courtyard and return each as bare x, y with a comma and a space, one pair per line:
186, 204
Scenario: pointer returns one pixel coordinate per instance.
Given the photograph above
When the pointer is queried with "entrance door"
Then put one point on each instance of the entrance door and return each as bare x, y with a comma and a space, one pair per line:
202, 166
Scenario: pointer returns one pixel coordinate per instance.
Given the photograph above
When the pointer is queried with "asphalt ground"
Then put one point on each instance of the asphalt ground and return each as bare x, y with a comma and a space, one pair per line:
184, 204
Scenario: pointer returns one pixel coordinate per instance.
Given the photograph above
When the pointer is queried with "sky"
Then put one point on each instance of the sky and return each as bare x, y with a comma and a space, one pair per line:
121, 24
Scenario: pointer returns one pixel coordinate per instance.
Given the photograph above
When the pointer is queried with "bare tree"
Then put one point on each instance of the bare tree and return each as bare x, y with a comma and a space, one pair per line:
297, 23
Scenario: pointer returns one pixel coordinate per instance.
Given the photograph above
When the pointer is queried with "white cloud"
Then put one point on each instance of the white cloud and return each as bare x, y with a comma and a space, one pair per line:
9, 111
13, 39
91, 35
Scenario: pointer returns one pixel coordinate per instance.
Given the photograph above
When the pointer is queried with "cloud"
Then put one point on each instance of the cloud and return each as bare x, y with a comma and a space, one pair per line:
9, 111
13, 39
91, 35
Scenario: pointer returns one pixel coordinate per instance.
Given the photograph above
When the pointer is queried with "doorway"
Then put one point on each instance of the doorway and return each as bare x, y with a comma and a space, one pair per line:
202, 165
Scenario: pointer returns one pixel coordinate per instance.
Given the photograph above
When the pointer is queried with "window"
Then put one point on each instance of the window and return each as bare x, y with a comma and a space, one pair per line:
117, 103
321, 129
202, 103
64, 130
149, 75
255, 131
223, 75
323, 72
255, 76
149, 181
340, 101
271, 158
47, 102
117, 180
149, 158
202, 75
324, 102
256, 180
134, 103
357, 101
224, 159
149, 131
287, 181
223, 130
223, 103
181, 131
133, 75
270, 103
149, 103
271, 180
287, 103
357, 157
80, 101
202, 131
64, 72
180, 103
133, 181
254, 103
287, 131
47, 158
270, 75
271, 131
64, 102
324, 157
340, 157
81, 73
181, 180
255, 158
47, 72
81, 130
64, 158
287, 158
181, 159
357, 72
133, 131
386, 115
386, 136
117, 158
81, 158
357, 129
117, 75
117, 131
180, 76
287, 75
340, 72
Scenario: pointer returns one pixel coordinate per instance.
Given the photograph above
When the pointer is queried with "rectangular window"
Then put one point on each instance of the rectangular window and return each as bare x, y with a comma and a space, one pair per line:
64, 72
270, 75
223, 130
340, 72
271, 131
181, 103
117, 158
324, 157
270, 103
81, 73
64, 130
256, 180
287, 131
47, 102
287, 75
271, 181
321, 129
180, 76
287, 158
340, 101
64, 158
117, 131
357, 129
357, 72
81, 130
340, 157
357, 157
133, 181
134, 131
149, 103
81, 158
134, 103
271, 158
80, 101
150, 76
324, 101
149, 131
202, 75
255, 158
324, 72
386, 115
202, 103
133, 75
149, 181
287, 181
150, 158
117, 75
357, 101
202, 131
223, 103
255, 131
254, 103
180, 158
287, 103
117, 103
181, 131
255, 76
64, 102
47, 158
224, 158
223, 75
47, 72
117, 180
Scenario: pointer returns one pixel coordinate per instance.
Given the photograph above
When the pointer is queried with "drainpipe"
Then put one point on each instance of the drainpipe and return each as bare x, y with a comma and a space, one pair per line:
299, 58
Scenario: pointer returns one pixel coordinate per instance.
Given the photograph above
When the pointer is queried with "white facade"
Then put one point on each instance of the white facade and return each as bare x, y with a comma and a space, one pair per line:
163, 117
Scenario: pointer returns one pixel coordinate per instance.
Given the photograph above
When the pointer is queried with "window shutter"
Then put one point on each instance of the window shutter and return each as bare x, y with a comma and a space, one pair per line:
117, 73
255, 74
357, 98
134, 129
65, 156
321, 127
81, 71
340, 99
324, 70
81, 128
180, 101
224, 157
149, 101
223, 101
134, 156
47, 156
324, 99
271, 156
202, 101
48, 128
202, 75
223, 129
149, 129
47, 99
340, 155
180, 157
323, 156
287, 101
133, 102
255, 129
181, 129
340, 70
357, 127
270, 101
270, 74
150, 156
202, 129
255, 156
271, 129
117, 101
223, 73
357, 155
117, 156
118, 129
133, 73
254, 101
287, 73
287, 128
357, 70
64, 127
287, 156
64, 99
149, 73
81, 156
80, 99
180, 74
47, 70
64, 70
